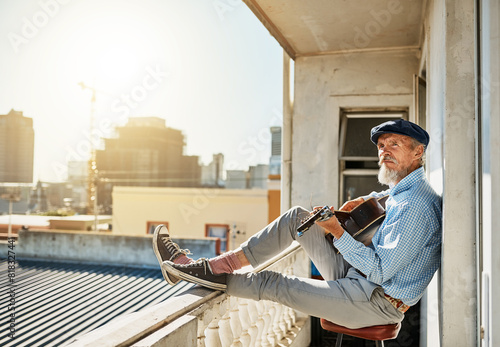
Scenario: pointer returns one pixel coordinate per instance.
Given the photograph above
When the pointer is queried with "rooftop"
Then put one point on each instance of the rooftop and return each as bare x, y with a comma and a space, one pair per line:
59, 301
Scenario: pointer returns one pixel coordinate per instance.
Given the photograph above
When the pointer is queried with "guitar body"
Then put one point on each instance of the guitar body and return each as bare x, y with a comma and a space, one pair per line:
363, 221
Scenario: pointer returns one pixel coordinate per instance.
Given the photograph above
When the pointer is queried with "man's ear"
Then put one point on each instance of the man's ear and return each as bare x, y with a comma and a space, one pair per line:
419, 151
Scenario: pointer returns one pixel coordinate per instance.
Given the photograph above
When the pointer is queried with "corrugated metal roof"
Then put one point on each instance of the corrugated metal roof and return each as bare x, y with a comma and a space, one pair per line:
56, 302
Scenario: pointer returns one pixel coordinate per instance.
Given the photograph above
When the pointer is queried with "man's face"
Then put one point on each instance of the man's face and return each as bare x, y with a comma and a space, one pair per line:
397, 157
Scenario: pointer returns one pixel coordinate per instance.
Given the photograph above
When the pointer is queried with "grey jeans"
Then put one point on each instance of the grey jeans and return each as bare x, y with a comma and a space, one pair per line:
344, 297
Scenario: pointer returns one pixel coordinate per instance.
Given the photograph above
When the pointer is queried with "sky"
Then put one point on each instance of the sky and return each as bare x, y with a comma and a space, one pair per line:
208, 67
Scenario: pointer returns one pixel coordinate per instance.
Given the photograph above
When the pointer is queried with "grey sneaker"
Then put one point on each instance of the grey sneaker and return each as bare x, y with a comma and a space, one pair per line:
198, 272
166, 249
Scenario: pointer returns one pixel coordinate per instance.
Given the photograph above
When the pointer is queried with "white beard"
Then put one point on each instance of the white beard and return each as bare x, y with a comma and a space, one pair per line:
390, 177
387, 176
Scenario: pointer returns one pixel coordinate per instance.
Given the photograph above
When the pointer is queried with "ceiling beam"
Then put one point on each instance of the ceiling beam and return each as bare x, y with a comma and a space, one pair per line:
273, 30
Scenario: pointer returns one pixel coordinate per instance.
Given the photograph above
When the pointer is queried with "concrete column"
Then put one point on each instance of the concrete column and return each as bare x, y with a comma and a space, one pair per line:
458, 271
490, 169
286, 140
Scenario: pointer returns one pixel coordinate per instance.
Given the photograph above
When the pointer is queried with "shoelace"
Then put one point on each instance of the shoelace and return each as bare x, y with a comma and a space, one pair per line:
173, 248
197, 263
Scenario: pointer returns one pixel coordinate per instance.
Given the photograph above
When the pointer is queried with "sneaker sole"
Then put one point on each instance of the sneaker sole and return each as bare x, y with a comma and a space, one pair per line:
193, 279
169, 278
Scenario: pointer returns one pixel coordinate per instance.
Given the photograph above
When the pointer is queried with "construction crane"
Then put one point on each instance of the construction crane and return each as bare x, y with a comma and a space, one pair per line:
92, 180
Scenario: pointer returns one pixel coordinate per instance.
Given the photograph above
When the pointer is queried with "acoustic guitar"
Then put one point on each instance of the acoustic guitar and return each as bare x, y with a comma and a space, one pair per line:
361, 222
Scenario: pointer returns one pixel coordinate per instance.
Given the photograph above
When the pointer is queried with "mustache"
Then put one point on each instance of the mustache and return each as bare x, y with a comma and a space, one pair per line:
387, 157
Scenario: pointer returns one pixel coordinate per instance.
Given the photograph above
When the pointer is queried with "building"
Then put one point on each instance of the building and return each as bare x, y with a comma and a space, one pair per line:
275, 160
236, 179
258, 176
60, 196
230, 214
144, 153
77, 180
38, 200
254, 178
274, 178
212, 175
17, 140
15, 197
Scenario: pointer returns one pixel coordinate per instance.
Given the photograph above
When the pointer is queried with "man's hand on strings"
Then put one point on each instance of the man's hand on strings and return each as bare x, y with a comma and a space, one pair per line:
351, 204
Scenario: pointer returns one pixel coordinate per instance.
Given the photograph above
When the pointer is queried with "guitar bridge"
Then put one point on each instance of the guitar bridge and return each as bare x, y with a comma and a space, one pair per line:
320, 215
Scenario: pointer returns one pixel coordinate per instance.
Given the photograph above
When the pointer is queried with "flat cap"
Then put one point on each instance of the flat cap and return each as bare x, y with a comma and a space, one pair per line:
401, 127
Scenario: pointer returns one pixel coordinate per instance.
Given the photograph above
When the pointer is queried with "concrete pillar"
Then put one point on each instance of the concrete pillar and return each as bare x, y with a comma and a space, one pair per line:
286, 140
458, 271
490, 170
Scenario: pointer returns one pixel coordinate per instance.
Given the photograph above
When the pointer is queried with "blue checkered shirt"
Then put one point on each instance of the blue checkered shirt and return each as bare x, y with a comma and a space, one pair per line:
406, 250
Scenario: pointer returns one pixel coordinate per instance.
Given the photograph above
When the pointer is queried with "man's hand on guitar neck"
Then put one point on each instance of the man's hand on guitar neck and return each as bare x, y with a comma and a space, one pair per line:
331, 226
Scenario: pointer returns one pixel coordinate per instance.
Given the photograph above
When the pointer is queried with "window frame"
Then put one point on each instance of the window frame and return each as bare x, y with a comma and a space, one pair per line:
356, 113
218, 245
153, 224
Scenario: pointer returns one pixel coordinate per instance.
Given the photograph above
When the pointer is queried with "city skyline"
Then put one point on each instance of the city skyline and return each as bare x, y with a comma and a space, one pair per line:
208, 68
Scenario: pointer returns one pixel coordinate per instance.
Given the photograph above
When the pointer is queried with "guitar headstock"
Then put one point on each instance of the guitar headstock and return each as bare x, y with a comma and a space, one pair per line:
321, 214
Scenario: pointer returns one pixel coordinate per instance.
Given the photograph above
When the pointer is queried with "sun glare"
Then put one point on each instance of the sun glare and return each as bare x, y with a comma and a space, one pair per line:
116, 63
109, 51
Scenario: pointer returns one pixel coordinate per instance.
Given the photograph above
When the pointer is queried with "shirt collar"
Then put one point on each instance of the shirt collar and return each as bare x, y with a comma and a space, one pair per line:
408, 181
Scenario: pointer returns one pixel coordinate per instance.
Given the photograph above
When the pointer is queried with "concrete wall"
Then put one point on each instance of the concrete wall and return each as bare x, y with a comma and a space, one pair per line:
187, 211
100, 248
326, 84
459, 272
323, 86
82, 222
490, 170
433, 66
449, 64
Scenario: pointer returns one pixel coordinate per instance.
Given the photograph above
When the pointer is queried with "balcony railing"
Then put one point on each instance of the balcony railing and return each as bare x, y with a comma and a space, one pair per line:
201, 317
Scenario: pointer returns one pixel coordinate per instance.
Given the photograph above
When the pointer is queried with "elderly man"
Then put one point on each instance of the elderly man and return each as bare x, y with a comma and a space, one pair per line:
364, 285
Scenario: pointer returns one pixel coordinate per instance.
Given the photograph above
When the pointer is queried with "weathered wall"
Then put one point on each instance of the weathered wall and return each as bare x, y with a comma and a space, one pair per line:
449, 61
100, 248
490, 169
458, 268
187, 211
433, 64
324, 85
